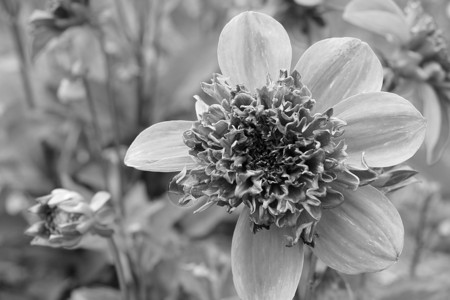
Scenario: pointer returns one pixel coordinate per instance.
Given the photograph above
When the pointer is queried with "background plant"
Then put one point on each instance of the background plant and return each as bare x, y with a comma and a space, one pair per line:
82, 79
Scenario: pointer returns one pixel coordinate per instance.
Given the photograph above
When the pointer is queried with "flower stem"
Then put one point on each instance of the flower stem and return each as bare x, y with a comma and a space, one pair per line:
420, 233
97, 131
145, 99
24, 66
114, 117
119, 268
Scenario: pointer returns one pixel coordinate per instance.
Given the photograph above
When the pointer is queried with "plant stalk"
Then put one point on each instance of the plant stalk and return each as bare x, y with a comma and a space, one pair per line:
24, 65
114, 117
119, 268
97, 132
420, 234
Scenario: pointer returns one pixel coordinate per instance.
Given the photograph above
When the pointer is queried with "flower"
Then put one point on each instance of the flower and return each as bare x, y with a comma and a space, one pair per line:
65, 217
417, 61
289, 147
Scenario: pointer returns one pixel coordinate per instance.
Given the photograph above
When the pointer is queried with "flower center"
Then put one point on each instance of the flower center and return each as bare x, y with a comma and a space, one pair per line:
270, 152
56, 217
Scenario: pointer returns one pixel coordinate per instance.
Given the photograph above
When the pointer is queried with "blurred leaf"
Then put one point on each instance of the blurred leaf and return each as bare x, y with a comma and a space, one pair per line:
79, 44
332, 286
100, 293
199, 60
42, 32
201, 224
205, 269
383, 17
151, 225
25, 157
435, 287
71, 90
436, 113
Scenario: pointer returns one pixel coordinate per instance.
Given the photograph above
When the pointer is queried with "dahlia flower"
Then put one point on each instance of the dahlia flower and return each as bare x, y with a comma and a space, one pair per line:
65, 217
294, 149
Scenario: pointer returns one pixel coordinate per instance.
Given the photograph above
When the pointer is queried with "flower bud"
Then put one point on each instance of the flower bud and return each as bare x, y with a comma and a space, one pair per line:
65, 217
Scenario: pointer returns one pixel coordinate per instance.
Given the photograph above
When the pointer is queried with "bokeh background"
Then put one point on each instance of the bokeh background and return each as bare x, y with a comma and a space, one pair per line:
152, 79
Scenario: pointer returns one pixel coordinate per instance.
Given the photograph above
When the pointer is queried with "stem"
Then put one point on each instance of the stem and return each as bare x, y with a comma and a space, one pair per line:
97, 131
145, 100
420, 234
114, 116
140, 92
139, 245
24, 67
119, 268
310, 284
123, 20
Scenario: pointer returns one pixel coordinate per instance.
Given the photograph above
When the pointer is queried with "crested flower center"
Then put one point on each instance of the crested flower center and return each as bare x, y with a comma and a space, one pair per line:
269, 151
56, 217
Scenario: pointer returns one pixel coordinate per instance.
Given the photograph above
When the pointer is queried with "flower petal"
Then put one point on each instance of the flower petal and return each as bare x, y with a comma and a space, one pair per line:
200, 107
363, 234
385, 127
263, 267
251, 46
160, 148
437, 114
99, 200
382, 17
337, 68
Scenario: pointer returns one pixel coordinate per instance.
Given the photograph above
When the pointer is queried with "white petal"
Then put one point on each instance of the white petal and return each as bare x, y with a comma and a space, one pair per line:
251, 47
160, 148
263, 267
337, 68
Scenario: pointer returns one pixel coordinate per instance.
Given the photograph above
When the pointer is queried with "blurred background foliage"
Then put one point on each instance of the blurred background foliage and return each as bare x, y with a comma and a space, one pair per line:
153, 57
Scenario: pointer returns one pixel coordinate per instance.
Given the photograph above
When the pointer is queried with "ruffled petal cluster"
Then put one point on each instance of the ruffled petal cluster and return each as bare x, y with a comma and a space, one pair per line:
270, 152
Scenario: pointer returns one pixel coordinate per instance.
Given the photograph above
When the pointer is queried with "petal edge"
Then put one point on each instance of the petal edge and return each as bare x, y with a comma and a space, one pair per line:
263, 267
160, 148
363, 234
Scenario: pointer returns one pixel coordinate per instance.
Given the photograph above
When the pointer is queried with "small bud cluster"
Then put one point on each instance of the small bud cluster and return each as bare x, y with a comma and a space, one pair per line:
65, 217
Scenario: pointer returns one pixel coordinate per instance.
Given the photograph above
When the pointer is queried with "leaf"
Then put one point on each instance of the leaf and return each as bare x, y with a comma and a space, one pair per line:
43, 31
100, 293
383, 17
332, 286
